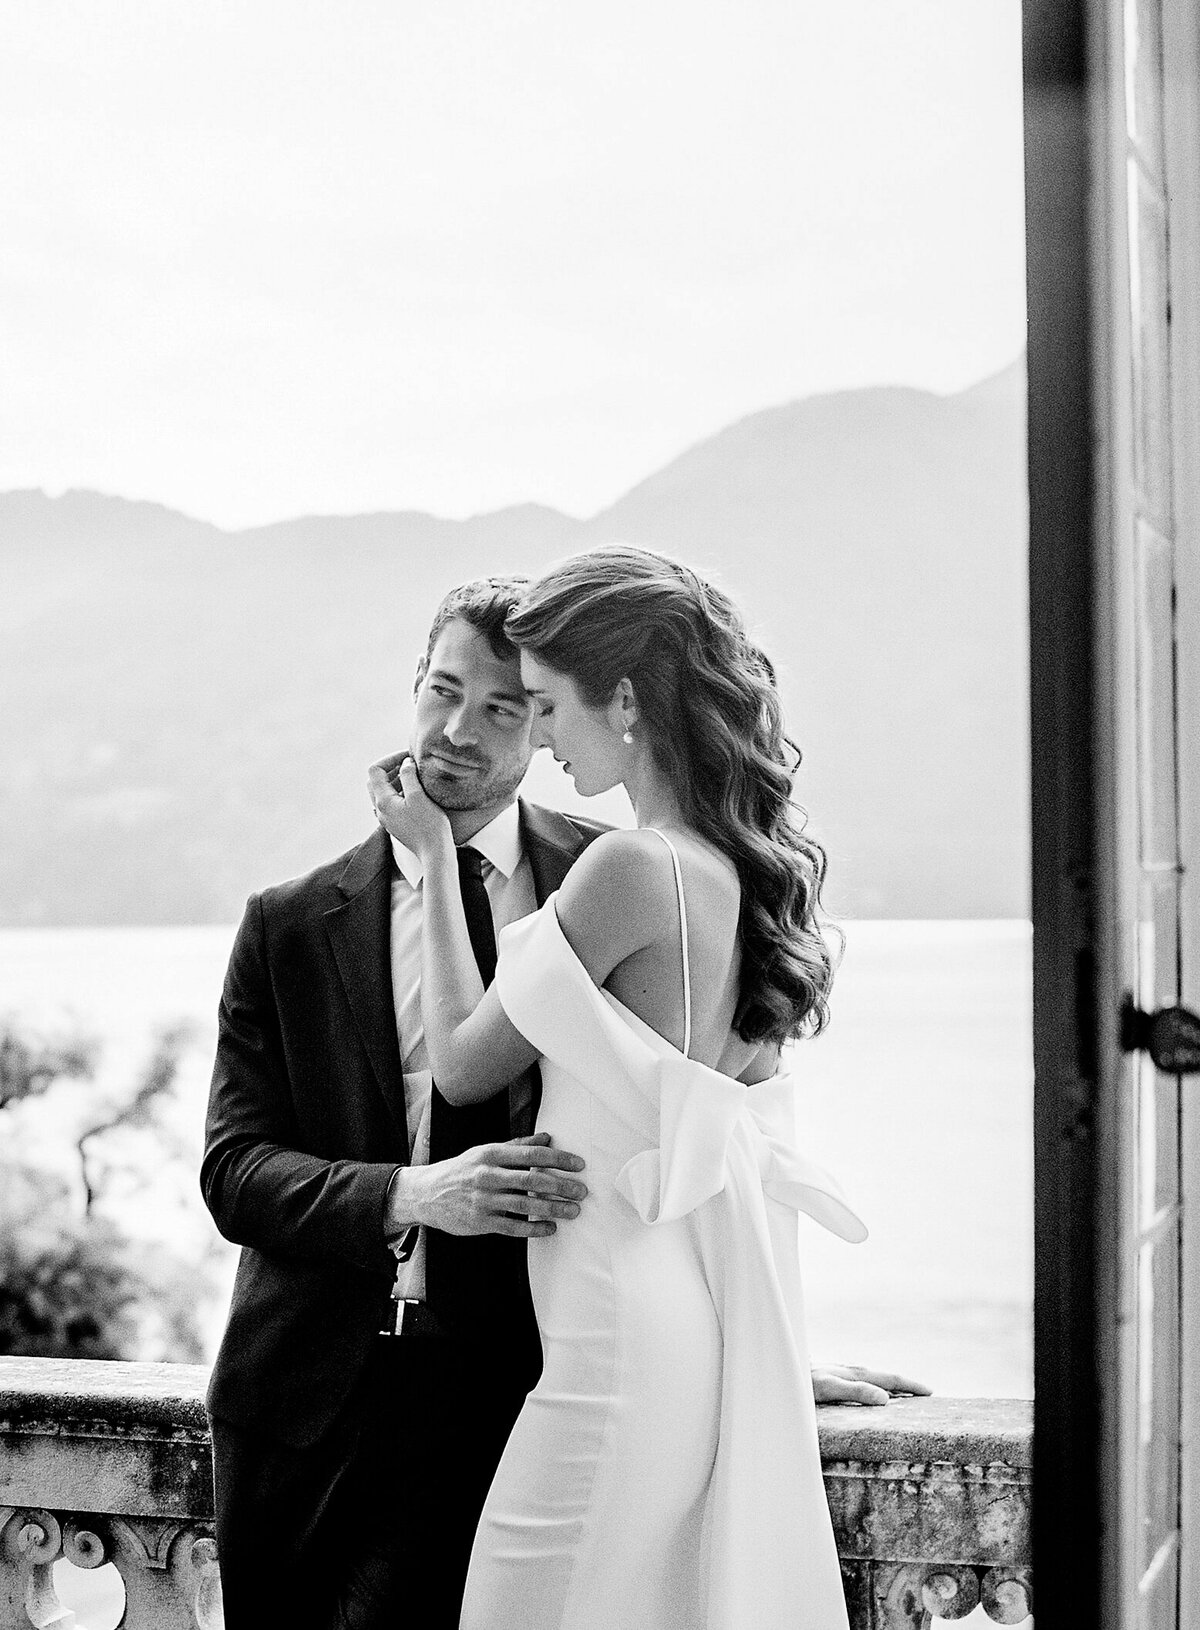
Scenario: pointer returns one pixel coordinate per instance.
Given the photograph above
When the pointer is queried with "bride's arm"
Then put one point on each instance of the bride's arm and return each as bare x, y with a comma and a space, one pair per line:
473, 1048
612, 904
606, 910
616, 899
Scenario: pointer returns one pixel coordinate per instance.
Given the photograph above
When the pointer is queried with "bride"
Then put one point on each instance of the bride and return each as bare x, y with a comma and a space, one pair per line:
664, 1474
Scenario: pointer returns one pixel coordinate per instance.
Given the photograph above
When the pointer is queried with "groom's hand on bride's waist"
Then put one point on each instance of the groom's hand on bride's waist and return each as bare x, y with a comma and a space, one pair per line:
524, 1187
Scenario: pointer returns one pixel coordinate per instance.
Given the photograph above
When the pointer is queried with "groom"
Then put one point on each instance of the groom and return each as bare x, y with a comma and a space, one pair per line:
359, 1403
381, 1340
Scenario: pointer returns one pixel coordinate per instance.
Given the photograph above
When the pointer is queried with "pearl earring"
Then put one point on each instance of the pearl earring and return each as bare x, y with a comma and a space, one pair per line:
627, 738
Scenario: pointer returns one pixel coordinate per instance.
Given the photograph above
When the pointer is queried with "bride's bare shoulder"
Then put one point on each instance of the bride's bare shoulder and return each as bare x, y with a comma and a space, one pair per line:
620, 869
635, 850
617, 899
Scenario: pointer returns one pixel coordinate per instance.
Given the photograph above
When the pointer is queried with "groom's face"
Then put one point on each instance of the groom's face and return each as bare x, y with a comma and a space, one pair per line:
470, 736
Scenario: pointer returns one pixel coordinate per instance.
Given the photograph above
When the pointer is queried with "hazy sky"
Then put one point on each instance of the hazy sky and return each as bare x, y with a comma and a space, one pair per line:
261, 258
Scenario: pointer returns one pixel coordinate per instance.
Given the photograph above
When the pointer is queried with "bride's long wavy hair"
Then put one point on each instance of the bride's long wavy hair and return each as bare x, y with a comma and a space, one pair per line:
709, 709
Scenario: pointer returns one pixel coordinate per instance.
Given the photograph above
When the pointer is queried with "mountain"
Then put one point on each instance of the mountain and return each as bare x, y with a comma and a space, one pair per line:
188, 713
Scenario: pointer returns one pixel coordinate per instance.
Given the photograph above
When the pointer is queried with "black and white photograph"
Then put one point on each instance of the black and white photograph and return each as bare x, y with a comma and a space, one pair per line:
600, 756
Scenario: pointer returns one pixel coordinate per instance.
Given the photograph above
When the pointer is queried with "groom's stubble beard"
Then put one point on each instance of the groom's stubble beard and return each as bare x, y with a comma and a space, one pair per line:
480, 787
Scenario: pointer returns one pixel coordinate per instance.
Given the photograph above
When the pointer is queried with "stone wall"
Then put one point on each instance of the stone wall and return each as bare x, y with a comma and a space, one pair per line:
110, 1463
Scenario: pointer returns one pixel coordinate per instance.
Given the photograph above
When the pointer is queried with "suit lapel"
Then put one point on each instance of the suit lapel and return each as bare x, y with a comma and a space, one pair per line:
360, 938
552, 844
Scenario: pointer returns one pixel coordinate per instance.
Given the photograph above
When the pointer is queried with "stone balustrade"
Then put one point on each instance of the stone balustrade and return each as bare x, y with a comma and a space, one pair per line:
931, 1504
109, 1463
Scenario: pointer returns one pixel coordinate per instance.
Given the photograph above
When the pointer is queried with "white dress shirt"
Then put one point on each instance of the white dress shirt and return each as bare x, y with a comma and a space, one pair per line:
508, 879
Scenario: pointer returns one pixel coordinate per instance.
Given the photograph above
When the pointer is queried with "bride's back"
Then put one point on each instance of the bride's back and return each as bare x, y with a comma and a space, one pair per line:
651, 983
645, 675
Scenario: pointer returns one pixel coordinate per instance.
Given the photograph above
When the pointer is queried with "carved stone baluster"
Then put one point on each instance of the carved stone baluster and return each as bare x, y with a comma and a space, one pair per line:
30, 1544
86, 1542
170, 1571
200, 1579
12, 1581
950, 1593
142, 1551
896, 1587
1008, 1594
908, 1594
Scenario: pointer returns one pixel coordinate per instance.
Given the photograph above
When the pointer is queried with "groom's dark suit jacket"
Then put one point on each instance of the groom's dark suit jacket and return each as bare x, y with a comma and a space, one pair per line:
306, 1124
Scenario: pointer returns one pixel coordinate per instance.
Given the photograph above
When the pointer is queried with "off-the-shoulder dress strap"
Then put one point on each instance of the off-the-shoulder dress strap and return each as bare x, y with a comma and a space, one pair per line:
683, 939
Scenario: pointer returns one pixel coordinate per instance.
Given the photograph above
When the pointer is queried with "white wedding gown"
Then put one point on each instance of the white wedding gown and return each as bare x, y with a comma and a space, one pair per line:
664, 1474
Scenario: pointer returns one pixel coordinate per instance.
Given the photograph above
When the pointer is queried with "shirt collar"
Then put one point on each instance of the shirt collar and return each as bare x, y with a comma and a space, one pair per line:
499, 842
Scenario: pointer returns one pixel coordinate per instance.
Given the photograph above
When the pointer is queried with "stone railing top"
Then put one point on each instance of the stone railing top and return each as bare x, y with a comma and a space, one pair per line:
963, 1431
146, 1436
126, 1439
91, 1398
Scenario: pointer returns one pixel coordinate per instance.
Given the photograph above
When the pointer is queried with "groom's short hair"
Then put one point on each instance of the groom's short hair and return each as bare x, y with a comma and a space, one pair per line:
484, 603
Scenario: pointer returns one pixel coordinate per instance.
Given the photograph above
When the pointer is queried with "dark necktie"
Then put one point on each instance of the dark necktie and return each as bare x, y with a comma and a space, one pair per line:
478, 909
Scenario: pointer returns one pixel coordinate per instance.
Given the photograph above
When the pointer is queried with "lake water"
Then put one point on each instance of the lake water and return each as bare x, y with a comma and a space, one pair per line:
919, 1097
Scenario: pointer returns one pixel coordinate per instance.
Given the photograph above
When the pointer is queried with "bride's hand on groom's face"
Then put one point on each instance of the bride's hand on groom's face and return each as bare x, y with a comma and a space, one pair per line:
403, 807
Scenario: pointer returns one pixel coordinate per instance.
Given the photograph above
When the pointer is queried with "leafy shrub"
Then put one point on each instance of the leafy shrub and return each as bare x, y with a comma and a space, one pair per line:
67, 1293
72, 1283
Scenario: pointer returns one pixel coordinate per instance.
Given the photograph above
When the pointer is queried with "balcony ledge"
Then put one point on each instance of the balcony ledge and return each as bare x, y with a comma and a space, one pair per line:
930, 1497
